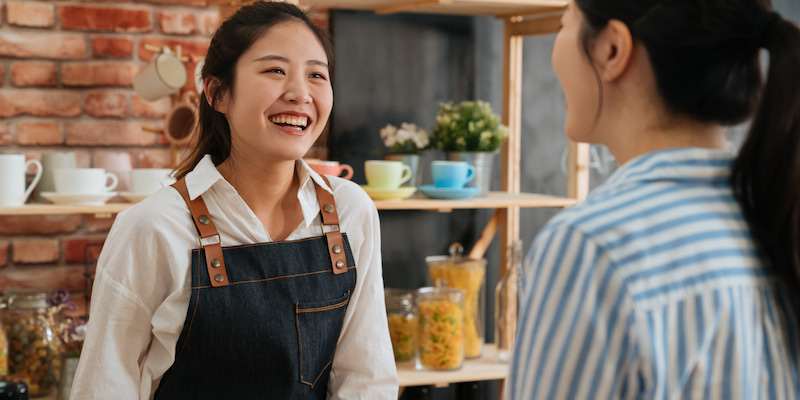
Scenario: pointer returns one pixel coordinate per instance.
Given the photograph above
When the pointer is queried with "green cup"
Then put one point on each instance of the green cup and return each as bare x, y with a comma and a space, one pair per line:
386, 175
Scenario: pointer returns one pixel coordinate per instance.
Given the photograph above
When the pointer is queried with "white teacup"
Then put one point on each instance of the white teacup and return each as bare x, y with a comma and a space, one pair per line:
145, 181
84, 181
51, 161
13, 167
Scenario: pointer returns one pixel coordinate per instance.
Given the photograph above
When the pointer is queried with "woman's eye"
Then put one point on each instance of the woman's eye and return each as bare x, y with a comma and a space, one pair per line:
275, 70
318, 75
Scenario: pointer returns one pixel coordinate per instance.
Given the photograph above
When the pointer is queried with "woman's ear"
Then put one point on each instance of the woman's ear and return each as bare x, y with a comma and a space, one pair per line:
210, 86
613, 49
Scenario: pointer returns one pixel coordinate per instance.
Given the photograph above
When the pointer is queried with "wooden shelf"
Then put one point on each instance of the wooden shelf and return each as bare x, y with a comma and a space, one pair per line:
499, 8
478, 369
493, 200
418, 202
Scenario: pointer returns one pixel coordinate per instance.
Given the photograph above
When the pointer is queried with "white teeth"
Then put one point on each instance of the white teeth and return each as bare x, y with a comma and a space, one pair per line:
299, 122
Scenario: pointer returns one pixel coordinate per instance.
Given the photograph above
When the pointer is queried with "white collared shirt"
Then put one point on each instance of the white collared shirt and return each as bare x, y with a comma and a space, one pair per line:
143, 285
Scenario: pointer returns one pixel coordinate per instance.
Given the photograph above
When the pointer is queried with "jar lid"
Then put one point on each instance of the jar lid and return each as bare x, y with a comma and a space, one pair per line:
455, 260
441, 293
398, 297
26, 297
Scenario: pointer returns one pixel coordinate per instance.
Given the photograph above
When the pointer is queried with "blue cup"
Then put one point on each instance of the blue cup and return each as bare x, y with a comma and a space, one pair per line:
451, 174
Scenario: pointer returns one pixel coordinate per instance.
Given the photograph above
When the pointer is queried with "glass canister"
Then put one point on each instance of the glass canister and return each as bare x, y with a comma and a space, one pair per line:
402, 315
441, 328
30, 336
457, 271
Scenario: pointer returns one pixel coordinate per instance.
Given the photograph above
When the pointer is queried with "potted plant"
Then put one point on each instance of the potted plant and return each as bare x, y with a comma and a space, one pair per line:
404, 144
470, 131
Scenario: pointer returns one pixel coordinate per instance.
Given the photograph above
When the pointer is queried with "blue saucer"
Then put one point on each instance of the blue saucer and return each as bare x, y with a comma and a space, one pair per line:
449, 193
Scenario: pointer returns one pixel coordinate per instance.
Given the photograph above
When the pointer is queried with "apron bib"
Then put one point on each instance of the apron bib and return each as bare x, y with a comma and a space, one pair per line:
263, 319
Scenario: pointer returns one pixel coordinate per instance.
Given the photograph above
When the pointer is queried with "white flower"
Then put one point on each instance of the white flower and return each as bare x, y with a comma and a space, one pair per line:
388, 135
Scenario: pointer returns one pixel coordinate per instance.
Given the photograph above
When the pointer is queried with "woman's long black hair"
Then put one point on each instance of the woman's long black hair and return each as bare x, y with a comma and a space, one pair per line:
233, 37
705, 57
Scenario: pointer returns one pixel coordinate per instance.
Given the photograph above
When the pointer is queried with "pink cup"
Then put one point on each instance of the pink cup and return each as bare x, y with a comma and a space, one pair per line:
331, 168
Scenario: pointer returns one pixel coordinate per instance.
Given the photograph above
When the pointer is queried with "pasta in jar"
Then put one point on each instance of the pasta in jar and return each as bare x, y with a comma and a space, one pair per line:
441, 328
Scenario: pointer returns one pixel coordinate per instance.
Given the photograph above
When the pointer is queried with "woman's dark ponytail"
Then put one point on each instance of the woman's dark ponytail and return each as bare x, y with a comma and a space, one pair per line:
766, 173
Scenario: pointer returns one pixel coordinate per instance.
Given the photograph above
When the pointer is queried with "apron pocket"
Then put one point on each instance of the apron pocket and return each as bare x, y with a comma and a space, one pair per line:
318, 327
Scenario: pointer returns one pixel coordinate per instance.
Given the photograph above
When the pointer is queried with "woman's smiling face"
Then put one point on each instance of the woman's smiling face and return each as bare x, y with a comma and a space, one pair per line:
282, 95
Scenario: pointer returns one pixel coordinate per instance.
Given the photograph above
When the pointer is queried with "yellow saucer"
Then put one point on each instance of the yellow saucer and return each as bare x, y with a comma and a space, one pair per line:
389, 194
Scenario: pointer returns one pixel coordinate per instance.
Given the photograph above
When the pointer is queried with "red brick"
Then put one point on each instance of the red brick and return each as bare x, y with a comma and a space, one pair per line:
173, 22
196, 48
30, 14
39, 133
99, 224
105, 104
208, 23
144, 108
196, 3
104, 133
98, 73
35, 251
34, 73
3, 253
60, 46
46, 277
76, 250
155, 158
112, 47
39, 224
6, 136
105, 19
38, 102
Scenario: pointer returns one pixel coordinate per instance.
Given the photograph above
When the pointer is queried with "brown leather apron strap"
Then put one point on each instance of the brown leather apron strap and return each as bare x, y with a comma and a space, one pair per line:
215, 263
330, 217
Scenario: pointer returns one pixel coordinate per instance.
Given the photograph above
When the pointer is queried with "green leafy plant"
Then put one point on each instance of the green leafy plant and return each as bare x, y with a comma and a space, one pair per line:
408, 139
468, 126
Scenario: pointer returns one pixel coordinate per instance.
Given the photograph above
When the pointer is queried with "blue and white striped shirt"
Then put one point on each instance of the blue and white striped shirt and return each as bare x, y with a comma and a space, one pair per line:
653, 288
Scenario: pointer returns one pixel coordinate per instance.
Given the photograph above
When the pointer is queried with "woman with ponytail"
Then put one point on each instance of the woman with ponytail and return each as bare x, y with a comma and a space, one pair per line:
678, 277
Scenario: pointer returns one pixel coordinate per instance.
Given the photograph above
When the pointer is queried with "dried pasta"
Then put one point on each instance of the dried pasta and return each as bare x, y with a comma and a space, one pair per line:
441, 334
403, 331
470, 279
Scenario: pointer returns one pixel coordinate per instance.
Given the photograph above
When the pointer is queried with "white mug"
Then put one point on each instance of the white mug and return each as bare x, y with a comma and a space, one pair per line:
51, 161
164, 75
13, 167
84, 181
146, 181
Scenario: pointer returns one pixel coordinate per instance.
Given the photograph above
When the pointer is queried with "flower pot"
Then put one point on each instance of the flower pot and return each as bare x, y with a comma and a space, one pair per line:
412, 160
483, 162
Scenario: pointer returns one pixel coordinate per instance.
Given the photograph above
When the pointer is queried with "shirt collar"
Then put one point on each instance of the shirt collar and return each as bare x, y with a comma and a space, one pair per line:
205, 175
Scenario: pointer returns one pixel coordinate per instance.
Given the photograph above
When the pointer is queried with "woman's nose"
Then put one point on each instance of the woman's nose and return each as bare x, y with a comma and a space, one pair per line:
297, 91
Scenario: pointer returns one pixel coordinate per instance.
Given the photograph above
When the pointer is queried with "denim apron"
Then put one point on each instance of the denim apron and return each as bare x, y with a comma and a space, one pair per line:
263, 319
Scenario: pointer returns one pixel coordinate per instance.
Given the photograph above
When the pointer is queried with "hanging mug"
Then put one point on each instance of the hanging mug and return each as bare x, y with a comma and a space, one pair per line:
164, 75
13, 167
180, 125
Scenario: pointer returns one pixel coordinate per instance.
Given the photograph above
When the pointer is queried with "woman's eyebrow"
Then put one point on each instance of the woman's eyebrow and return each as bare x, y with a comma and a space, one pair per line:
286, 60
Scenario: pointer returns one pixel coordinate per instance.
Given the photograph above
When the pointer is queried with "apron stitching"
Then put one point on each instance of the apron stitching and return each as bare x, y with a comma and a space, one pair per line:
326, 308
299, 341
320, 374
273, 278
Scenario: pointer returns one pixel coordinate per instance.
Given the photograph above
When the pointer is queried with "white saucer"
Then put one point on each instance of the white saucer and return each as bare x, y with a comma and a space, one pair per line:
75, 199
389, 194
449, 193
133, 197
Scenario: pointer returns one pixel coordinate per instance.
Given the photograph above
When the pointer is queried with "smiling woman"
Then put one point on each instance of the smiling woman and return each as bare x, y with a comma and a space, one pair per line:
274, 307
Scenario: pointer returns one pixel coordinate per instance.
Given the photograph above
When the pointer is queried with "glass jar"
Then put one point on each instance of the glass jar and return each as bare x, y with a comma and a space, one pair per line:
456, 271
441, 328
30, 336
506, 303
402, 316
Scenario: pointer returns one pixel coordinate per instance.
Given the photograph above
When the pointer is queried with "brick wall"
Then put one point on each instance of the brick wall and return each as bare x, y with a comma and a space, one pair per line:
66, 73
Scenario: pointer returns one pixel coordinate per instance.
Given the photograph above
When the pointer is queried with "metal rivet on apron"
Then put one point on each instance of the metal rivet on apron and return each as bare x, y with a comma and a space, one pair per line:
340, 264
219, 278
328, 208
336, 249
203, 219
215, 263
